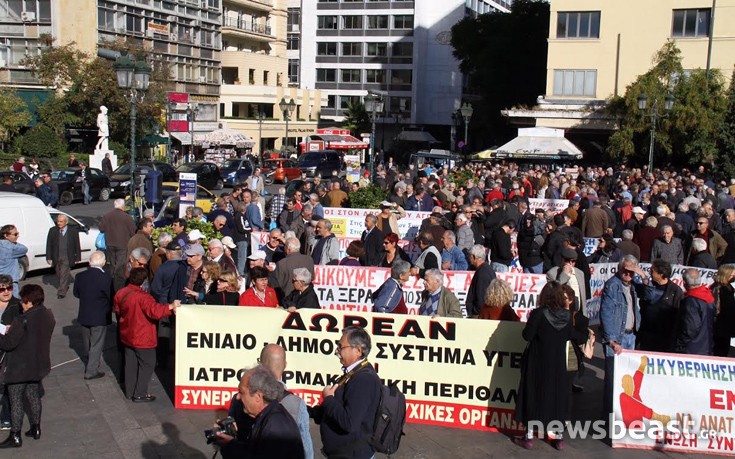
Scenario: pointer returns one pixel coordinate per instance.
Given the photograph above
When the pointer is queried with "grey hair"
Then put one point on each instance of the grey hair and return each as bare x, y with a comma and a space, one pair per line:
220, 218
282, 190
628, 259
197, 211
692, 277
307, 209
216, 243
141, 252
372, 218
478, 251
149, 213
262, 380
627, 235
293, 245
699, 244
164, 239
276, 232
97, 259
359, 338
328, 224
462, 218
683, 206
314, 197
450, 234
302, 274
399, 268
666, 227
661, 210
436, 274
119, 203
652, 222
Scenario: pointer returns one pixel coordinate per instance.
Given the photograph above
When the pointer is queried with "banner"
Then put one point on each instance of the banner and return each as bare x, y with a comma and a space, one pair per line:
187, 191
454, 373
554, 205
351, 222
674, 402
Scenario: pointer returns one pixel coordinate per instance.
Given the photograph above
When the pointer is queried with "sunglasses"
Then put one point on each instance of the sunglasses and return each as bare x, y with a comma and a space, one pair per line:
6, 289
221, 280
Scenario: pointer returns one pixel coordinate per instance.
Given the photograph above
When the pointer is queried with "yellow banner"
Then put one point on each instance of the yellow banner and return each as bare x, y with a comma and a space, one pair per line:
454, 372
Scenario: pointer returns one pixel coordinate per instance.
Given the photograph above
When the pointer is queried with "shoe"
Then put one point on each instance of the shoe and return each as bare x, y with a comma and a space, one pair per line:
14, 440
576, 388
34, 432
558, 444
523, 442
144, 399
100, 374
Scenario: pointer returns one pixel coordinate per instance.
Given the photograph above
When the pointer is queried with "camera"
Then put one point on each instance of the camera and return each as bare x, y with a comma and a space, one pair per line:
226, 426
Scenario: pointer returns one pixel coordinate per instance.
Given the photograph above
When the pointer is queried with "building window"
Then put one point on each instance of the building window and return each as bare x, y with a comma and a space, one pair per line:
326, 75
404, 21
403, 49
350, 75
352, 49
375, 76
326, 22
578, 24
293, 71
293, 20
581, 83
400, 104
331, 101
346, 101
377, 49
352, 22
326, 49
293, 41
690, 23
377, 22
401, 76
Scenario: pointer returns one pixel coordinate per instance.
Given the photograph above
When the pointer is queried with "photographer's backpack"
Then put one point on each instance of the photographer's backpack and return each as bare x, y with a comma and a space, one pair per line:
389, 420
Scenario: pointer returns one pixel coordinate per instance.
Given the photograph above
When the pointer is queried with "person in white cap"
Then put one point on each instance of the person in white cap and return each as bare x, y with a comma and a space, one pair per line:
195, 237
230, 247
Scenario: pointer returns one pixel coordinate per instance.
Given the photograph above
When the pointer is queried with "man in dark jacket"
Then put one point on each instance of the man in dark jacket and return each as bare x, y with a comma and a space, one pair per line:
372, 242
118, 228
659, 301
695, 327
484, 273
501, 256
700, 257
63, 251
93, 287
530, 239
348, 408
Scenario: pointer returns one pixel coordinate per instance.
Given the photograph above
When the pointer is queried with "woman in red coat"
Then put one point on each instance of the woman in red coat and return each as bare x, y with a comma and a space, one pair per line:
259, 294
138, 312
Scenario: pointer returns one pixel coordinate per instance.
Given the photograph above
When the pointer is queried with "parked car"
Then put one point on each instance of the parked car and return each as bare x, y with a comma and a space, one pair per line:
120, 178
321, 162
208, 174
170, 208
236, 170
33, 220
70, 189
22, 182
280, 170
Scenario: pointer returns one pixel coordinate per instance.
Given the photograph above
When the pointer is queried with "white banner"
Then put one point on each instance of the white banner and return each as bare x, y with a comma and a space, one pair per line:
555, 205
351, 222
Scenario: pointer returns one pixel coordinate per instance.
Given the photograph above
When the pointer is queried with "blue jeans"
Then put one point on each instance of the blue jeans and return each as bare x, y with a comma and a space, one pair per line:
628, 343
537, 269
242, 256
499, 267
85, 192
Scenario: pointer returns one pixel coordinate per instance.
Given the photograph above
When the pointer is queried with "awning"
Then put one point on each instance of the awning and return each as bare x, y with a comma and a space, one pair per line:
33, 98
182, 137
539, 143
338, 141
416, 136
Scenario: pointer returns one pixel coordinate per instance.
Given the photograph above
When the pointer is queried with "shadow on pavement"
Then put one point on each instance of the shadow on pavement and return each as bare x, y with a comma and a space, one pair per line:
173, 447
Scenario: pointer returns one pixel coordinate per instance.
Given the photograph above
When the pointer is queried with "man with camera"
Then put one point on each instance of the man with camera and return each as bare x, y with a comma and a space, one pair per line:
274, 433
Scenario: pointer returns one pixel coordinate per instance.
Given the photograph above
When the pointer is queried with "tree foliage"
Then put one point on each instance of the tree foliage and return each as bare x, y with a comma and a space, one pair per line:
687, 134
14, 115
368, 197
726, 138
504, 54
40, 141
356, 119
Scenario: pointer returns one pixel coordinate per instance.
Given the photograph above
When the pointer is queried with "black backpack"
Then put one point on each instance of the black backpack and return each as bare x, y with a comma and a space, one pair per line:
389, 420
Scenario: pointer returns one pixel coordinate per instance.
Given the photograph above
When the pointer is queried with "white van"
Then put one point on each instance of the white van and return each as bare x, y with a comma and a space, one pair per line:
33, 221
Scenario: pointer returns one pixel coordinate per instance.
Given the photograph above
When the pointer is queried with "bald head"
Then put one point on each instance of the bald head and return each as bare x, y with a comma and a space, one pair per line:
273, 357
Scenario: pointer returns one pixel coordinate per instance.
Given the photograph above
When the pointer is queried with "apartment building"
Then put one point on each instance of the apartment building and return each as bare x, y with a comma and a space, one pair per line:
401, 48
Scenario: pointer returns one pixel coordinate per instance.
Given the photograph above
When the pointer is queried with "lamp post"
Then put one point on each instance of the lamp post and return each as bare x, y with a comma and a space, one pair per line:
133, 78
466, 111
374, 106
260, 117
653, 114
456, 119
286, 107
191, 113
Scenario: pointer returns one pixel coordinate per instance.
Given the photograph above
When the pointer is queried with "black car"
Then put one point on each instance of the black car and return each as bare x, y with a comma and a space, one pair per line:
322, 162
120, 179
70, 188
236, 170
208, 174
21, 181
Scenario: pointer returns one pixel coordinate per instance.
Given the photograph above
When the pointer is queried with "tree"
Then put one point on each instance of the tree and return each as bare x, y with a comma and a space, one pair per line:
14, 115
504, 55
726, 138
41, 142
686, 135
356, 119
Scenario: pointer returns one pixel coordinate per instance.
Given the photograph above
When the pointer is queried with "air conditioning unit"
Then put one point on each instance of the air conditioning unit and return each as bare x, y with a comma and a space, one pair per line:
171, 18
27, 16
173, 37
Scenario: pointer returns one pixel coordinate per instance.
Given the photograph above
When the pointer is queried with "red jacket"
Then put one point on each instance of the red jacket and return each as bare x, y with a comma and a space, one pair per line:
249, 298
138, 313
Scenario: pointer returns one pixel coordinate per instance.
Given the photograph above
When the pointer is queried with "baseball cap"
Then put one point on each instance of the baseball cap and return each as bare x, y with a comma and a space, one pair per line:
638, 210
193, 250
257, 255
173, 245
195, 235
228, 242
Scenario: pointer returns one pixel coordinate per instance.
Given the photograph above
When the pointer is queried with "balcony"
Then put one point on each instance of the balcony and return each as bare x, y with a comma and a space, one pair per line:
247, 29
259, 5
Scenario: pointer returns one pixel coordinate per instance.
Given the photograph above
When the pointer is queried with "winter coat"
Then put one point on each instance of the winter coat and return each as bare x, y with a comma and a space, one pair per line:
28, 346
138, 312
696, 321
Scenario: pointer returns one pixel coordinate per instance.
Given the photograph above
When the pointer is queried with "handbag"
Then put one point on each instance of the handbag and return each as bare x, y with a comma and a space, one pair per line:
100, 242
572, 361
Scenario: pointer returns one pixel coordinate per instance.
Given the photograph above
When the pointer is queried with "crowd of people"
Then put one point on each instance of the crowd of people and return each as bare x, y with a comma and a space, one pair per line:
665, 219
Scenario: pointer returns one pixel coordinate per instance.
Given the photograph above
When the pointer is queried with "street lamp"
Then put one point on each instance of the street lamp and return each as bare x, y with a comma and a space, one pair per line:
466, 112
373, 106
191, 114
133, 78
287, 107
456, 119
260, 117
653, 114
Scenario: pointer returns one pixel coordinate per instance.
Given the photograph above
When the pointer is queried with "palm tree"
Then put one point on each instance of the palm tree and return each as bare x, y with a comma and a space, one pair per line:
356, 119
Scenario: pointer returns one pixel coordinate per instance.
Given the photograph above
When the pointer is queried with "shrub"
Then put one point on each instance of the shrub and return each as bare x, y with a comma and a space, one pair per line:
368, 197
40, 142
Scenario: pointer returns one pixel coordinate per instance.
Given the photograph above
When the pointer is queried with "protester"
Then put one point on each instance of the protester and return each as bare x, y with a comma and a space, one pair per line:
217, 254
696, 320
9, 310
303, 294
326, 250
452, 257
11, 251
118, 228
389, 296
371, 242
436, 299
259, 294
724, 294
699, 257
392, 251
63, 252
209, 273
429, 258
281, 278
226, 292
497, 304
484, 273
501, 256
659, 300
569, 274
668, 247
159, 255
354, 253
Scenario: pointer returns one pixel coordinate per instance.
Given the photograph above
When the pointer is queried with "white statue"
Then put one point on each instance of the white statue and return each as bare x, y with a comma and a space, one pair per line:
103, 129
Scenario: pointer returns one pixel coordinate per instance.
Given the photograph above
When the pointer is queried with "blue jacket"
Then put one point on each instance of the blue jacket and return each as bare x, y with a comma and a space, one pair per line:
614, 310
427, 204
10, 253
456, 257
252, 215
387, 297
